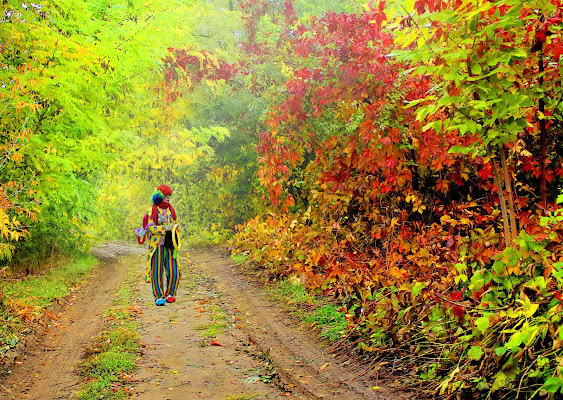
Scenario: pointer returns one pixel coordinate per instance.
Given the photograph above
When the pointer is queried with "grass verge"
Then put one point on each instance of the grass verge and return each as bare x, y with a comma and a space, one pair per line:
25, 301
243, 397
316, 312
114, 356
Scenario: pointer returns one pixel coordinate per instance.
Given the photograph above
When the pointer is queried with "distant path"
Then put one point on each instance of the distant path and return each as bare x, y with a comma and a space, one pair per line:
259, 353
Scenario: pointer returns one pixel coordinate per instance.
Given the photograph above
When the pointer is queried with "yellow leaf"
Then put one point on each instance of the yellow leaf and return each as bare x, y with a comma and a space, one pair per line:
421, 42
424, 253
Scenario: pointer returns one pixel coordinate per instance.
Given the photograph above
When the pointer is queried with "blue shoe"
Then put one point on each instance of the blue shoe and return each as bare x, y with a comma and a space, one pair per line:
160, 302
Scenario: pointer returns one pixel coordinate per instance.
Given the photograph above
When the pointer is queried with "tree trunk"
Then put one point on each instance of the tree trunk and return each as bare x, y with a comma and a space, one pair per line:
510, 195
502, 201
543, 144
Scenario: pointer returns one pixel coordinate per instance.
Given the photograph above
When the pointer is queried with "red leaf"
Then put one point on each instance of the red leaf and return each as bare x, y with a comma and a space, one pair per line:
458, 311
456, 296
419, 7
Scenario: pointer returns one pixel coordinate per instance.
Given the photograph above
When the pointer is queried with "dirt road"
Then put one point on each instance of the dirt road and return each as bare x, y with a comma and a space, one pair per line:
222, 339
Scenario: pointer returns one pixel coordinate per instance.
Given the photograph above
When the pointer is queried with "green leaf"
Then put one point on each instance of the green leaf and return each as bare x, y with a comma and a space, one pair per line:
499, 267
553, 384
501, 380
515, 341
500, 351
475, 353
530, 309
476, 69
417, 288
482, 323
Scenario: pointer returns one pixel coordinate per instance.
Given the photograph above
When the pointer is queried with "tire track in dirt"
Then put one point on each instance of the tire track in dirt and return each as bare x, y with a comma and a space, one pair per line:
178, 362
297, 355
185, 357
47, 369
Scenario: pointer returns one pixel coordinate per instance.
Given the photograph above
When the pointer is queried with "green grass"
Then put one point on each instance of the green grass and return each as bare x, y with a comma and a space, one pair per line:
217, 325
116, 352
212, 329
27, 299
40, 291
219, 317
243, 397
310, 309
290, 292
239, 258
332, 322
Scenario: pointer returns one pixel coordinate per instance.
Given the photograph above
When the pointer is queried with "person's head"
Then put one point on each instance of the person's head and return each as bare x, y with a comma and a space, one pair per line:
161, 198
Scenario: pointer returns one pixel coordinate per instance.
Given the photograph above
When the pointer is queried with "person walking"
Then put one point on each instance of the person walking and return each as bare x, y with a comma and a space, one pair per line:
162, 260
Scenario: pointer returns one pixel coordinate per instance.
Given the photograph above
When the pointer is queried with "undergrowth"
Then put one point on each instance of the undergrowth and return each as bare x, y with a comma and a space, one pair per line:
487, 328
114, 355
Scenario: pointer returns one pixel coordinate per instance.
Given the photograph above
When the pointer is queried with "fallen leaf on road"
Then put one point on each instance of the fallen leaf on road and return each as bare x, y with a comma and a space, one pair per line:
324, 366
214, 343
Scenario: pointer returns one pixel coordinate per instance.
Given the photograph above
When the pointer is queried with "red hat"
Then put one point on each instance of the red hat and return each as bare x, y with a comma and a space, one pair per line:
165, 189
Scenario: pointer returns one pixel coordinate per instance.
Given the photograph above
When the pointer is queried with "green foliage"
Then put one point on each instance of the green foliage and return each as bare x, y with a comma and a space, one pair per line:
305, 8
492, 94
239, 258
81, 89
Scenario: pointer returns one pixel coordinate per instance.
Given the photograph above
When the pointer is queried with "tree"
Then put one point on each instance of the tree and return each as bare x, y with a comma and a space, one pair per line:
488, 60
77, 86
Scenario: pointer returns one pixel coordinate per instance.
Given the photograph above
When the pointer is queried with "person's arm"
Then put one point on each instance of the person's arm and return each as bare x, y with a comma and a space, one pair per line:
156, 229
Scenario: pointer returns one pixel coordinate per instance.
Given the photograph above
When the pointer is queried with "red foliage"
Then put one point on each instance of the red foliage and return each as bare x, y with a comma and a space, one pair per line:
395, 204
193, 66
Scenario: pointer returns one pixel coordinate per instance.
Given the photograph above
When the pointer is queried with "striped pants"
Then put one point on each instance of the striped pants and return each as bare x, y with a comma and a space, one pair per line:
162, 262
